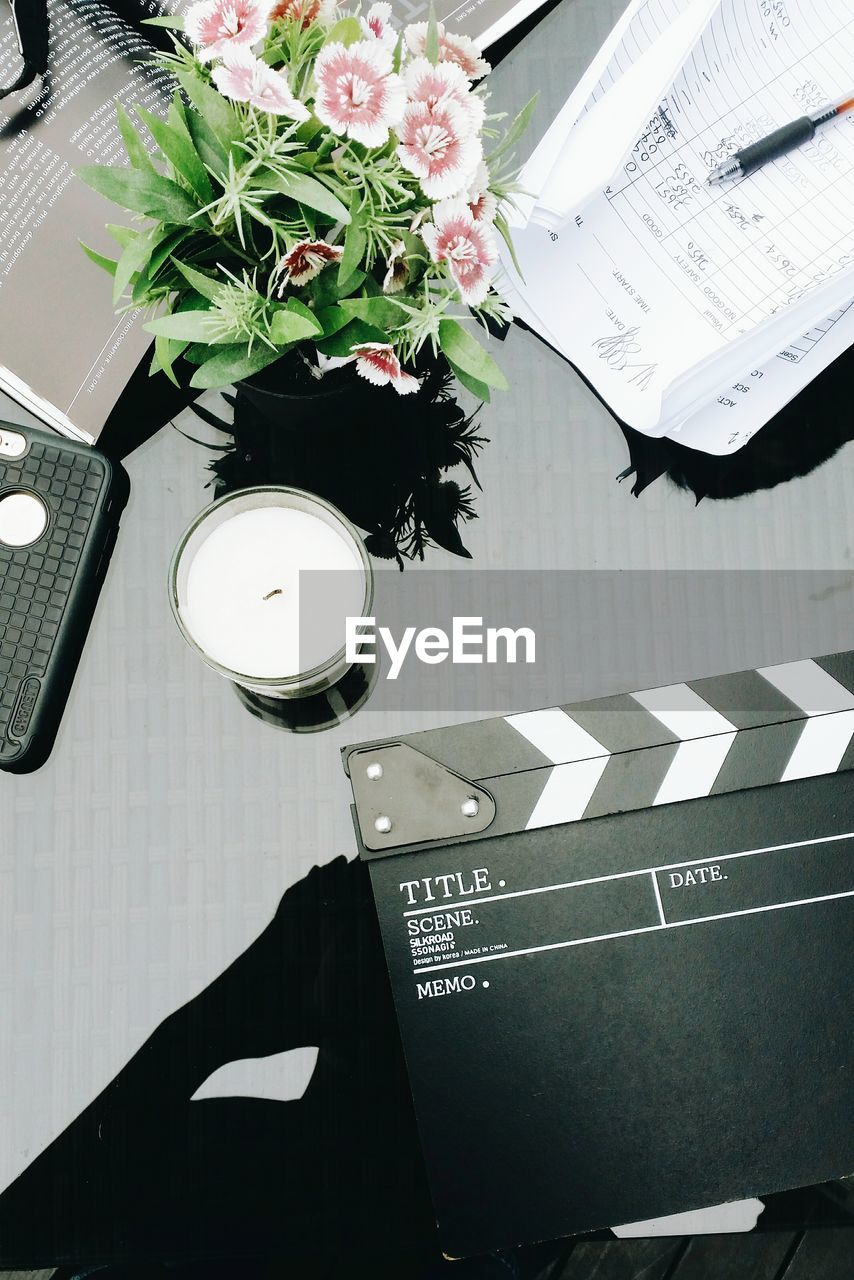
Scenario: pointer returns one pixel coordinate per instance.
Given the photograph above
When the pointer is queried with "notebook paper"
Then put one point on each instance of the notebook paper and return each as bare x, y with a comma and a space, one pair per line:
677, 290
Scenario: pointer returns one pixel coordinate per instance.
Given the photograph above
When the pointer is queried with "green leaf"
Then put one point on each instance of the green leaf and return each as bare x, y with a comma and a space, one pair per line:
397, 57
503, 229
166, 352
467, 355
431, 48
382, 312
351, 284
290, 326
308, 131
208, 286
355, 242
306, 190
106, 264
134, 257
190, 326
333, 319
146, 193
300, 309
417, 256
177, 146
177, 111
165, 247
514, 133
232, 364
211, 151
162, 250
346, 31
122, 235
134, 145
216, 110
340, 343
479, 389
197, 353
171, 21
323, 289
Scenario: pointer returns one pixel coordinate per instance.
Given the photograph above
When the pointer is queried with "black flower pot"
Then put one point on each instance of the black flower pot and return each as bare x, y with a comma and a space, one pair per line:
285, 407
381, 458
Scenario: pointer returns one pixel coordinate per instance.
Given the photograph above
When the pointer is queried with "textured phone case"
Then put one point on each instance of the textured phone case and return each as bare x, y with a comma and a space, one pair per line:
49, 588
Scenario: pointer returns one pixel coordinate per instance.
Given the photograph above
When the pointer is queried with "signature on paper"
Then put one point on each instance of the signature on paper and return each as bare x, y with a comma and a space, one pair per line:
616, 350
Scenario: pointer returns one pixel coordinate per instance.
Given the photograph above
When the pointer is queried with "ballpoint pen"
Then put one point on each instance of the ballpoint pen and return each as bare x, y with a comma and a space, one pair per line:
778, 143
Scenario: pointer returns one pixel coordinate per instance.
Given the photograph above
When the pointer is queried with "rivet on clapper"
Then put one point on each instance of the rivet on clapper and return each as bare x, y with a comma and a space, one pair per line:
403, 797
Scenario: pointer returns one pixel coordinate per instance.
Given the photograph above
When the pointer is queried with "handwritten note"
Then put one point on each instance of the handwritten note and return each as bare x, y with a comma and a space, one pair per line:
672, 290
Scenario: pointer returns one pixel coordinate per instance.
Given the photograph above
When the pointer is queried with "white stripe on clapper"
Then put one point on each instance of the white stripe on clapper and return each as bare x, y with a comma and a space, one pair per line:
810, 687
706, 737
829, 705
557, 735
579, 758
567, 793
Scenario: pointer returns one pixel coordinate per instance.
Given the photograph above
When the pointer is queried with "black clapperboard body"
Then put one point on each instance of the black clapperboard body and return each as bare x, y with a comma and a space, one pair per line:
620, 936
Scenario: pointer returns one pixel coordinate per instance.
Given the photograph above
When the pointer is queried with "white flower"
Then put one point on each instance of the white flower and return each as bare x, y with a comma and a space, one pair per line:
376, 24
244, 78
442, 83
480, 199
358, 94
306, 260
452, 48
215, 26
467, 247
437, 145
377, 362
397, 269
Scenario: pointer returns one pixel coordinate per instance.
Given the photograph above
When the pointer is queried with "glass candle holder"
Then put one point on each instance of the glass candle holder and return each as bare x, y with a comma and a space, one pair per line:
261, 585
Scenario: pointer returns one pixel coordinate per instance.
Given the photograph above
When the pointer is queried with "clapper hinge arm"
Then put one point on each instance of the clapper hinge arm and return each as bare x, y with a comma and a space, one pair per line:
403, 797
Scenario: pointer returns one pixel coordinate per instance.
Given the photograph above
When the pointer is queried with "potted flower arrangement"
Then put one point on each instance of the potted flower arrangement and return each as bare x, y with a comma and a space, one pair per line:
323, 192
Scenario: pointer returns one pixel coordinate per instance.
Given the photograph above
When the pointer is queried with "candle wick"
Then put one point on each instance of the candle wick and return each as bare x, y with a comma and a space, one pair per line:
277, 591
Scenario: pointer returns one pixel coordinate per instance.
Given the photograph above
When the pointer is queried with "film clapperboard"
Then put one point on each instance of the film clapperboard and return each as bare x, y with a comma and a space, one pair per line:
620, 936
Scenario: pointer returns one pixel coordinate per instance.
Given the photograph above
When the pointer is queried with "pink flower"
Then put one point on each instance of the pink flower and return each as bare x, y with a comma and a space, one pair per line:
376, 24
467, 246
443, 83
214, 26
481, 201
452, 48
244, 78
304, 11
358, 95
306, 260
437, 145
377, 362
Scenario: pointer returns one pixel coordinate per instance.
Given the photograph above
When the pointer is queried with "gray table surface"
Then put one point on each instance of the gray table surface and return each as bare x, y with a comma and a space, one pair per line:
156, 843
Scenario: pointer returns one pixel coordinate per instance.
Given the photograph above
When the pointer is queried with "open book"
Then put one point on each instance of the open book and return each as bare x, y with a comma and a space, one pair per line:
695, 312
64, 354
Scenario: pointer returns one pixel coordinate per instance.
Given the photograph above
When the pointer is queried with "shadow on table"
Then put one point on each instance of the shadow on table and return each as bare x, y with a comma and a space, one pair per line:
146, 1176
802, 436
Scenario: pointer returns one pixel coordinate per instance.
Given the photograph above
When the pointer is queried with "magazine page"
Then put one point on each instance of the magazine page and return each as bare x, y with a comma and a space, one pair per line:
64, 354
483, 20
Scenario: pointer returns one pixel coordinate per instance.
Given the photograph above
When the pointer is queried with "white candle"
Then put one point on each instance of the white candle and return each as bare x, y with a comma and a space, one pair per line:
263, 585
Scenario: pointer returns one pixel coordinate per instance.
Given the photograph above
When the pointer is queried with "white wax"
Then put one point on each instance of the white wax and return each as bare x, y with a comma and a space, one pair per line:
242, 603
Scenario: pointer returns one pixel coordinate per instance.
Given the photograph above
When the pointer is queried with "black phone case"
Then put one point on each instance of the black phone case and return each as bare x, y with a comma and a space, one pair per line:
48, 589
